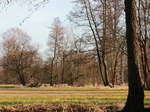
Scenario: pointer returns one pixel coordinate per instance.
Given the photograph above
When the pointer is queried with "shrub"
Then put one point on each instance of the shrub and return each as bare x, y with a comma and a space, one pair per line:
33, 83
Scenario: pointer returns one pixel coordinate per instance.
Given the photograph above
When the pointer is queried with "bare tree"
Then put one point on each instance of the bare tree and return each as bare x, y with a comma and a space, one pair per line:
18, 54
101, 18
143, 22
32, 6
55, 41
89, 20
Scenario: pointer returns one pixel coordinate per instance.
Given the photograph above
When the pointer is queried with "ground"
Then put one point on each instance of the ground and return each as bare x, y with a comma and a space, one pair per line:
93, 96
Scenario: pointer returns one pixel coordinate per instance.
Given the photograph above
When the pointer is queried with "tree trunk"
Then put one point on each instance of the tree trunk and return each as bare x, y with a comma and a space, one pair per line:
95, 35
22, 79
63, 68
135, 100
51, 73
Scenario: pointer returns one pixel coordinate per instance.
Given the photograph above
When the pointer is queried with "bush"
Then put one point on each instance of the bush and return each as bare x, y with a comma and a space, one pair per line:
33, 83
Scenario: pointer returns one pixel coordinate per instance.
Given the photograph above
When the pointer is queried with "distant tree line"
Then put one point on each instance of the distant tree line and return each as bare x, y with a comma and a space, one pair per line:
97, 56
108, 51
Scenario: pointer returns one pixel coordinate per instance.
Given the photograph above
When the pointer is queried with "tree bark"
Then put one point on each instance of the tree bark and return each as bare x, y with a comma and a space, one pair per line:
135, 100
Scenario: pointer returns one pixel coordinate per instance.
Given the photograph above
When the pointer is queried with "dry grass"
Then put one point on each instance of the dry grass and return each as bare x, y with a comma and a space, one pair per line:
15, 98
59, 108
12, 94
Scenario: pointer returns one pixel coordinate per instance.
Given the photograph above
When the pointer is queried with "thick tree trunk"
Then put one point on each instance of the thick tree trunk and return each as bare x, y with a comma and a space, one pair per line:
22, 79
135, 100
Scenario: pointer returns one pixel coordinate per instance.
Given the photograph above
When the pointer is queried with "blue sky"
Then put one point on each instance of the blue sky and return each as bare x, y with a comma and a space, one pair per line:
37, 25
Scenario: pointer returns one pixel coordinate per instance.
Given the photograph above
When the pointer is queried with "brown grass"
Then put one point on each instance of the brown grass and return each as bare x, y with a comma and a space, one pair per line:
59, 108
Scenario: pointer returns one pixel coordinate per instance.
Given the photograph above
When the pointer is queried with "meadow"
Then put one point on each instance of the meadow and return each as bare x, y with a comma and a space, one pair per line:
15, 94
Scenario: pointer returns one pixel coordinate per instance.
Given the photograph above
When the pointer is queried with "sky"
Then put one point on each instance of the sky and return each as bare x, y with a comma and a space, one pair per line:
37, 26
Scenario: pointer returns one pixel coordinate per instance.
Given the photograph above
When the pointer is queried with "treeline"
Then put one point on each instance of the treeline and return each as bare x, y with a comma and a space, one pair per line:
96, 54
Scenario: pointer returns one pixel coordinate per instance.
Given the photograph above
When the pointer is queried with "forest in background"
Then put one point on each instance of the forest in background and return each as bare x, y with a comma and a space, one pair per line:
94, 54
108, 51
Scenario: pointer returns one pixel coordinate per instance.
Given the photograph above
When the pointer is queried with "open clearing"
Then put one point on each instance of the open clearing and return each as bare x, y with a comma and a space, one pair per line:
10, 95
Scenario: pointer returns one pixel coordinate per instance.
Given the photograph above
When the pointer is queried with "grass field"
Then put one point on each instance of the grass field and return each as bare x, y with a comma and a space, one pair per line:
12, 94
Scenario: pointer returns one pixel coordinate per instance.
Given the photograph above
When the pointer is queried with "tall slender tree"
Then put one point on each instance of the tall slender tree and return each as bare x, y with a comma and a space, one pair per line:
56, 41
